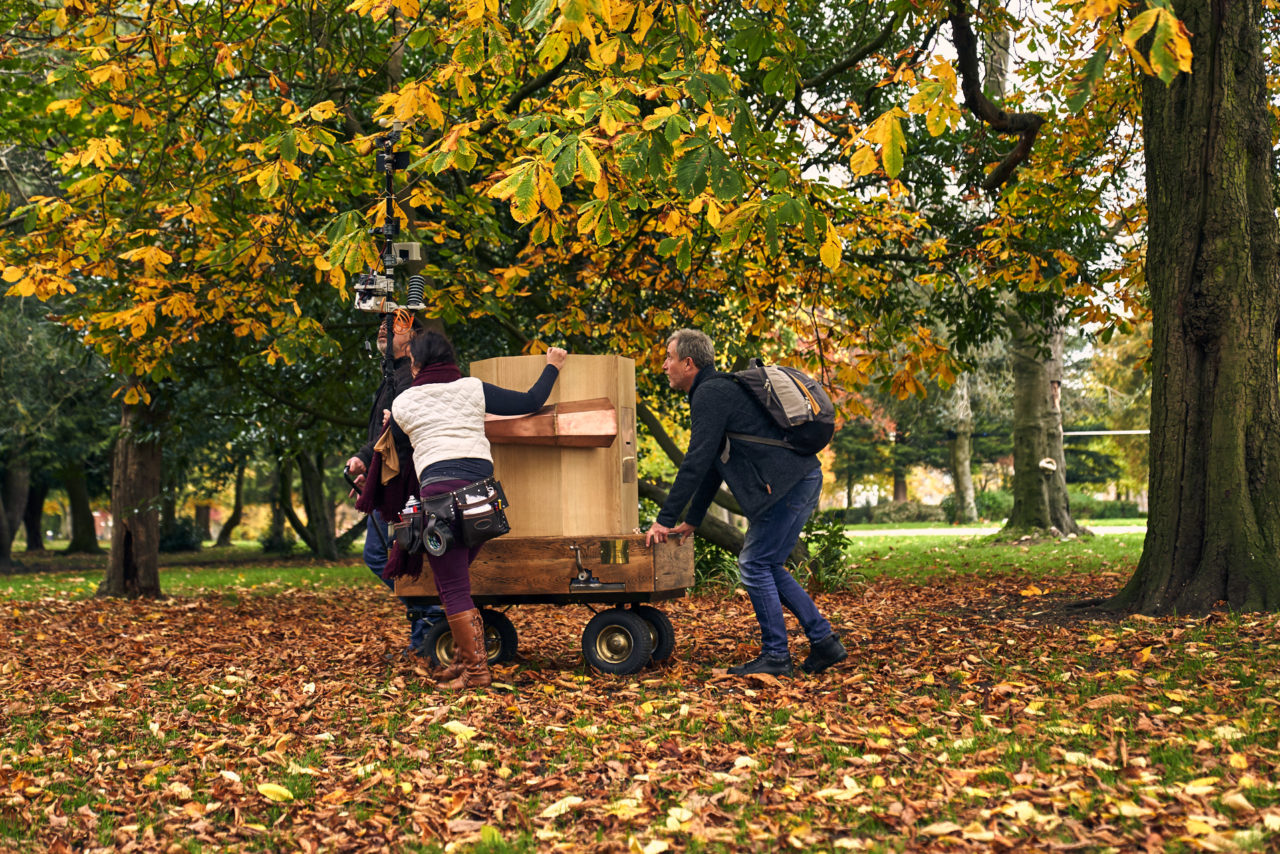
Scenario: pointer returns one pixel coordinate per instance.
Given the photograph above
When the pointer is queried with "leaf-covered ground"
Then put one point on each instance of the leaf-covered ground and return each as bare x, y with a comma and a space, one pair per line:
975, 713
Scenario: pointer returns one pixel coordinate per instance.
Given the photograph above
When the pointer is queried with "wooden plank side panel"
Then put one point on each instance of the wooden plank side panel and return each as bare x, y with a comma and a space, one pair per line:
673, 565
570, 491
628, 484
534, 565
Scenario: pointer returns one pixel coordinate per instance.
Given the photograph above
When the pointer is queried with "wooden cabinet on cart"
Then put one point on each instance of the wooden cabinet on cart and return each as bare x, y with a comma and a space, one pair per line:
569, 474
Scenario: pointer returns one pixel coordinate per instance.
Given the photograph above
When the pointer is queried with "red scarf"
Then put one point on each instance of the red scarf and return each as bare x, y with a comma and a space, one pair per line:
440, 372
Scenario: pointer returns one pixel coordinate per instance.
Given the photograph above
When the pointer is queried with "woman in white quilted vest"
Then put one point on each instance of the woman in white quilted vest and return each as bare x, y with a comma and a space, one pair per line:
443, 414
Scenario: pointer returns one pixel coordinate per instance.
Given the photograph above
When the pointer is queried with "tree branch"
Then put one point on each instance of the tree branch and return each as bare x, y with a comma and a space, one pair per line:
1027, 125
543, 80
284, 495
712, 530
852, 59
669, 447
292, 403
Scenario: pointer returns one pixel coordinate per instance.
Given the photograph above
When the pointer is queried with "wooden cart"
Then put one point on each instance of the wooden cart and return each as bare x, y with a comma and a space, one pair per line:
619, 576
569, 473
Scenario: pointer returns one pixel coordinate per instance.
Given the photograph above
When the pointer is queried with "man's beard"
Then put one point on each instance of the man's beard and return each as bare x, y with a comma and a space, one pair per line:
382, 346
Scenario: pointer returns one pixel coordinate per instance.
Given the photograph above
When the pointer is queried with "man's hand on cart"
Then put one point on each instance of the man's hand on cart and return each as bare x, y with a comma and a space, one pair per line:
659, 533
556, 357
354, 473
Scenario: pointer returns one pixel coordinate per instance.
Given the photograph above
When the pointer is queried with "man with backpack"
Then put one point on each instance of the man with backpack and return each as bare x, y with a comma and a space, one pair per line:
734, 439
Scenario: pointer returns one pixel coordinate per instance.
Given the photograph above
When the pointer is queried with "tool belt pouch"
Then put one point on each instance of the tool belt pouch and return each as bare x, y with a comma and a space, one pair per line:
408, 533
480, 511
428, 528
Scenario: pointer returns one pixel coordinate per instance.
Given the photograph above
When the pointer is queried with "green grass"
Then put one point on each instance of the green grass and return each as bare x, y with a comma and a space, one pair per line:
921, 558
909, 558
185, 581
1140, 522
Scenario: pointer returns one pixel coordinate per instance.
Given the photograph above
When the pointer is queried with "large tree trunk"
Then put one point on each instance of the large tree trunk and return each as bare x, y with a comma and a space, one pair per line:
962, 452
284, 499
899, 477
1213, 529
84, 531
899, 487
6, 538
224, 536
319, 510
204, 511
1039, 465
13, 500
33, 513
168, 510
275, 530
134, 566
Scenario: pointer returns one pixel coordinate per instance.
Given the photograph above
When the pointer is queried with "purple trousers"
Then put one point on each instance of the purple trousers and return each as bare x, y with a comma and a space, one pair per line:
452, 570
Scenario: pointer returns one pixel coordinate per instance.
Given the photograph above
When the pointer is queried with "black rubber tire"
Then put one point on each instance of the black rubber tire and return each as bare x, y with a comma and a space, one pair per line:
438, 648
660, 630
617, 641
498, 629
437, 645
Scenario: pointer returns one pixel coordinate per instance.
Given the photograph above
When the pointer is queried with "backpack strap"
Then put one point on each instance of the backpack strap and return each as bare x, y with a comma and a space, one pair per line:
761, 440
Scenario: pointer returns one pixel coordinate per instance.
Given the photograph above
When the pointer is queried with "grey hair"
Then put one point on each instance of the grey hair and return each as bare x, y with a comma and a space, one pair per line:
694, 344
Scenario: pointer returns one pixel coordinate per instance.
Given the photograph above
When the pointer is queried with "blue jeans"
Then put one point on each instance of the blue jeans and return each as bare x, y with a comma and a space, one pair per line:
377, 540
762, 565
375, 557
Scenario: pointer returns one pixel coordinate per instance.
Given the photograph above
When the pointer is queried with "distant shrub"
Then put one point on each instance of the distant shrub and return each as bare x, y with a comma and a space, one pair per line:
182, 536
906, 511
1119, 510
827, 568
992, 506
282, 544
714, 568
949, 508
1085, 506
830, 516
995, 504
858, 515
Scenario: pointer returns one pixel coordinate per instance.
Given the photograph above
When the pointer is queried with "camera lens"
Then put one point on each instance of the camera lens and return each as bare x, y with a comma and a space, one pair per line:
437, 536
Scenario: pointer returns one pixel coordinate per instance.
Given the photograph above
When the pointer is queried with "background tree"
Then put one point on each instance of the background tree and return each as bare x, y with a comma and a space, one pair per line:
1212, 256
859, 451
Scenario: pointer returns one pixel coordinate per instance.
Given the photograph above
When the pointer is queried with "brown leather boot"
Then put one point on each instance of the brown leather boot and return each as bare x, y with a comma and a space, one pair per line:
468, 646
453, 670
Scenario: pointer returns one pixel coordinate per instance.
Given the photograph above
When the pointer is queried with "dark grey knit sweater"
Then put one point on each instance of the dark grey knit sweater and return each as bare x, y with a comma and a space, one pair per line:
758, 475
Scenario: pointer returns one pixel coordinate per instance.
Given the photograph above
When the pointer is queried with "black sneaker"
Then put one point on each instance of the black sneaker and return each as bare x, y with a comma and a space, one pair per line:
774, 665
823, 654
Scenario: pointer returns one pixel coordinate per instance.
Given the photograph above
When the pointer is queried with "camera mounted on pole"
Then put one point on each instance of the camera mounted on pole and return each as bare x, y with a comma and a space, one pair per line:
374, 288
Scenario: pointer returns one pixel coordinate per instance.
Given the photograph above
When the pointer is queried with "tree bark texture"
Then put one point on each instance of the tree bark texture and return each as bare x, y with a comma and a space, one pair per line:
224, 535
962, 452
1039, 464
6, 538
13, 503
84, 531
316, 503
203, 513
33, 513
899, 487
1213, 530
284, 500
168, 510
134, 566
899, 476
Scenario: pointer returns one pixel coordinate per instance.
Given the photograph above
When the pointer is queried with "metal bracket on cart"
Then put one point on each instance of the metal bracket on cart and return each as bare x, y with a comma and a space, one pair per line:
585, 581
